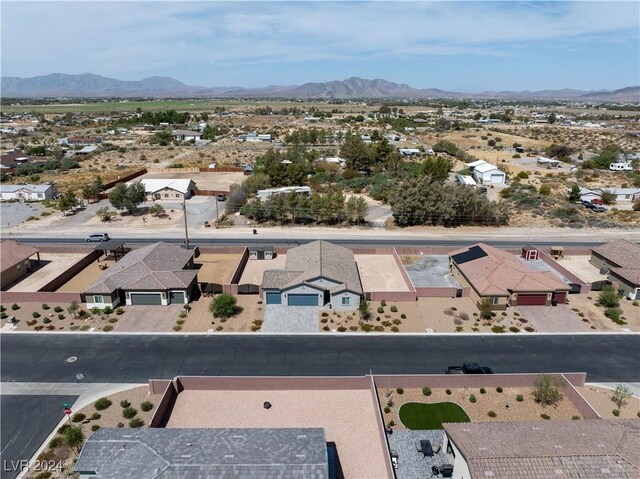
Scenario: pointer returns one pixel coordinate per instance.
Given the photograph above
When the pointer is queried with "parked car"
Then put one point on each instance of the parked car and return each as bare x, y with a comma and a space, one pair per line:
222, 197
588, 205
596, 201
97, 237
469, 368
599, 209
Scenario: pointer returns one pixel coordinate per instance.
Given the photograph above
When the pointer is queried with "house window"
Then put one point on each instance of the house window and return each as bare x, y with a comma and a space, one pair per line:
40, 195
177, 195
166, 195
346, 301
18, 267
494, 300
98, 299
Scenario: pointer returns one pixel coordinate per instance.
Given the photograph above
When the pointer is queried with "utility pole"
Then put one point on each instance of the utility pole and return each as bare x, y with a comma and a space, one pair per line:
186, 230
217, 216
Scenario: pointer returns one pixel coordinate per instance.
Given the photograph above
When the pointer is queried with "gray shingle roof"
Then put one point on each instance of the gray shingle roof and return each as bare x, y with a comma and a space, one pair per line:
526, 450
314, 260
200, 453
152, 267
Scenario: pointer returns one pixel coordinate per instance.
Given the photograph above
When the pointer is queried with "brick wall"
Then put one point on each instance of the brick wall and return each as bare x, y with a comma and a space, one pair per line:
39, 297
436, 292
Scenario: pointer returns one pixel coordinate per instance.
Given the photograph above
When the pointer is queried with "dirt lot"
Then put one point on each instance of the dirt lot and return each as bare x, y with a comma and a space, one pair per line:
503, 404
200, 319
87, 276
217, 268
347, 416
52, 265
254, 269
204, 181
371, 265
600, 400
586, 308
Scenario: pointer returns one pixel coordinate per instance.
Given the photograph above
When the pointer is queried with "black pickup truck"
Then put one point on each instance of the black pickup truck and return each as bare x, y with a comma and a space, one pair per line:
469, 368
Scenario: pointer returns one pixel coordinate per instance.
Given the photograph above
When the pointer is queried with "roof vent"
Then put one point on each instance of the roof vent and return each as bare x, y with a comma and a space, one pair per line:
559, 472
558, 446
605, 470
301, 456
229, 456
267, 405
302, 436
488, 473
189, 444
187, 456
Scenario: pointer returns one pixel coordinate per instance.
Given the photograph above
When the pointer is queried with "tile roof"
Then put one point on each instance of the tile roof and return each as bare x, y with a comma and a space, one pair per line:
285, 453
314, 260
12, 253
152, 267
628, 274
622, 253
589, 449
492, 271
9, 158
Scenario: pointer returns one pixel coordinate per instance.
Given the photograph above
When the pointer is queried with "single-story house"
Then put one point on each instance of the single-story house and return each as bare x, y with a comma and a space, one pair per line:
12, 159
315, 274
83, 140
28, 192
488, 174
192, 453
85, 150
410, 151
186, 135
620, 260
548, 162
264, 195
473, 164
159, 273
253, 137
592, 449
620, 194
15, 261
168, 188
507, 280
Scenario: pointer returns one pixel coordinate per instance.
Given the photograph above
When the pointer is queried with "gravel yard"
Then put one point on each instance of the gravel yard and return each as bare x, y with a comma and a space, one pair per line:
600, 400
217, 268
379, 272
582, 268
51, 266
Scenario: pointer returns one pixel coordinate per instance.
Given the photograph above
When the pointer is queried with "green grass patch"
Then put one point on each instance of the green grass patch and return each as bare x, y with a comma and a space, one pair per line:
431, 416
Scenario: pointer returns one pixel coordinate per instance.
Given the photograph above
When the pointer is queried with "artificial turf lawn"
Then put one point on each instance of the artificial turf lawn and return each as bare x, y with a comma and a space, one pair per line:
416, 415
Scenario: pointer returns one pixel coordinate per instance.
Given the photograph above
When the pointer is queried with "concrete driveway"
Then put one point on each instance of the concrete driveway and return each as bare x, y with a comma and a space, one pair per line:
279, 318
553, 319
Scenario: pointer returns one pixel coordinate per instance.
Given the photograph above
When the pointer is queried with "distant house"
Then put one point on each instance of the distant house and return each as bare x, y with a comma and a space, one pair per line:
157, 274
193, 453
28, 192
620, 260
264, 195
15, 261
410, 151
168, 189
548, 162
505, 278
83, 140
592, 449
85, 150
12, 159
315, 274
253, 137
186, 135
620, 194
466, 180
488, 174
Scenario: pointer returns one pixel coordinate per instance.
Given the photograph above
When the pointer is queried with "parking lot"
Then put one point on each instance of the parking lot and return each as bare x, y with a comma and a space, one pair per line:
379, 272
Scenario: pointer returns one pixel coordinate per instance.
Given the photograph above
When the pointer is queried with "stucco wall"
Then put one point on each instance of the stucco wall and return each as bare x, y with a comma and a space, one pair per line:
336, 301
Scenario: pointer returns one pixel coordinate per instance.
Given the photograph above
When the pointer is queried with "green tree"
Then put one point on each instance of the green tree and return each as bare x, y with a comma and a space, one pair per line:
256, 181
437, 167
620, 396
105, 214
574, 194
162, 138
223, 306
609, 297
552, 118
74, 438
67, 201
357, 154
118, 195
156, 210
608, 198
363, 309
547, 390
127, 197
486, 308
73, 309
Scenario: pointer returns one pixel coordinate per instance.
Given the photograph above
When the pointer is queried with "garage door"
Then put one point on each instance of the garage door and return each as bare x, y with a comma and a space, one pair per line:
176, 297
274, 298
560, 297
303, 300
496, 179
531, 299
138, 298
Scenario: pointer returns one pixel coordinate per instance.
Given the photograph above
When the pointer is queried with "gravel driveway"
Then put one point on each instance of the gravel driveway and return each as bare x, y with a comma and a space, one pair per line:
279, 318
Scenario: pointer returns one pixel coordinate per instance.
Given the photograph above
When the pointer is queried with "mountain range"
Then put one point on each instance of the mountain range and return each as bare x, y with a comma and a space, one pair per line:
89, 85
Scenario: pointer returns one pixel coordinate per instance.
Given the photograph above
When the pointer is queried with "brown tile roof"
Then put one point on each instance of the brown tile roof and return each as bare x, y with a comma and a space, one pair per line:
313, 260
590, 449
9, 158
622, 253
498, 273
12, 253
158, 266
630, 275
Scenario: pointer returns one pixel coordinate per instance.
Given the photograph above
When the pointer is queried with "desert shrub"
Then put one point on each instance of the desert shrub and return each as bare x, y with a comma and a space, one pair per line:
472, 398
546, 390
177, 327
367, 328
387, 410
64, 428
60, 316
45, 306
342, 329
575, 418
95, 416
353, 328
403, 316
180, 322
514, 329
529, 329
95, 427
223, 306
55, 442
2, 309
324, 314
58, 309
483, 391
182, 315
497, 329
608, 297
394, 309
620, 395
395, 329
616, 412
113, 320
15, 307
78, 417
391, 423
119, 311
46, 320
397, 322
146, 406
107, 310
426, 391
35, 314
544, 416
129, 412
124, 403
380, 309
519, 398
400, 390
136, 422
107, 327
383, 303
492, 414
499, 389
448, 391
463, 316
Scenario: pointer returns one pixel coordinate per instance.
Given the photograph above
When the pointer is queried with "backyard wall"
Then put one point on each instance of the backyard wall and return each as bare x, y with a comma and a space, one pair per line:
584, 287
123, 179
66, 275
441, 292
39, 297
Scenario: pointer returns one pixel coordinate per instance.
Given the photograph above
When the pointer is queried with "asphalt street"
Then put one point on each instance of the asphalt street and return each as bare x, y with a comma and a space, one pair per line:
26, 423
136, 358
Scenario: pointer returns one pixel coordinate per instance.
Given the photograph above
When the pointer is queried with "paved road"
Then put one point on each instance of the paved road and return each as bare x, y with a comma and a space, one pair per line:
136, 358
248, 239
26, 423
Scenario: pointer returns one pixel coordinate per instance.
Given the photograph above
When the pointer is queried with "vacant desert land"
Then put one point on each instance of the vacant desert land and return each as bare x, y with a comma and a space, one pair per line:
379, 272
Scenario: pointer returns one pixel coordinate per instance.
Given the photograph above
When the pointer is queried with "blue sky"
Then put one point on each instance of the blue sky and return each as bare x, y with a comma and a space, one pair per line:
458, 46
